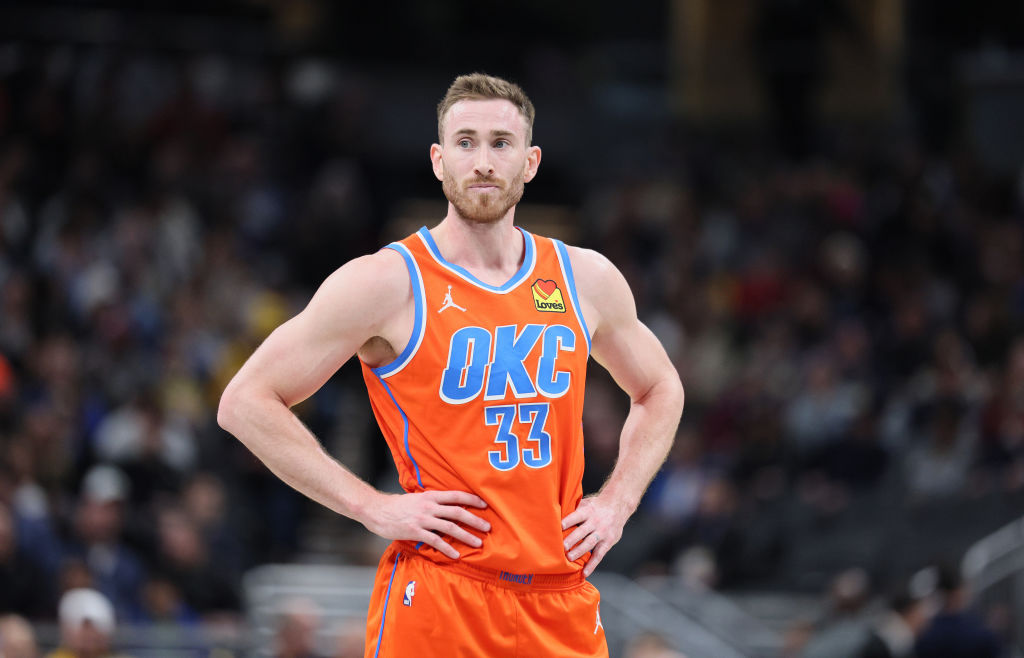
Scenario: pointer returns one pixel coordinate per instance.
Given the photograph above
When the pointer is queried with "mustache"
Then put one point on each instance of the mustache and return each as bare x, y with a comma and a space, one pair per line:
489, 180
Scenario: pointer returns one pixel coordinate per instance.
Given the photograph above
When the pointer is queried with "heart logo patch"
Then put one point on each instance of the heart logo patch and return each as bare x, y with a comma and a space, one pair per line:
545, 287
547, 297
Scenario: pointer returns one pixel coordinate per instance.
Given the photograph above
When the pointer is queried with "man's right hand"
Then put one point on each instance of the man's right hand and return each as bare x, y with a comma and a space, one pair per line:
424, 517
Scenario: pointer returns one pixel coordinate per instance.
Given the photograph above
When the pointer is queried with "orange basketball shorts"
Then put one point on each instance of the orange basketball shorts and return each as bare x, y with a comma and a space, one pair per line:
423, 609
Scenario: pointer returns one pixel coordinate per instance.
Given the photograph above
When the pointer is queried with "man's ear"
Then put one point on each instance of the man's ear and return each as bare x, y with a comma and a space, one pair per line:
436, 162
532, 163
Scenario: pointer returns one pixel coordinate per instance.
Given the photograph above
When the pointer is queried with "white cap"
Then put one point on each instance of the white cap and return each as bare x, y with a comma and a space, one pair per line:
78, 606
104, 484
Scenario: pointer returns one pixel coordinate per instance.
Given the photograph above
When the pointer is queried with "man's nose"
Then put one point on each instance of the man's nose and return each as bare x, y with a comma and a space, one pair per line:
482, 167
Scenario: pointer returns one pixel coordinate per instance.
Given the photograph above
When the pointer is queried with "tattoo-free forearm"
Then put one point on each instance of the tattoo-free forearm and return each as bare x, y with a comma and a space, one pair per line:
647, 436
270, 430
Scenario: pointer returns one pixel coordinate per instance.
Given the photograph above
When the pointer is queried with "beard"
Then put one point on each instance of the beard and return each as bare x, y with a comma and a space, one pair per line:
483, 208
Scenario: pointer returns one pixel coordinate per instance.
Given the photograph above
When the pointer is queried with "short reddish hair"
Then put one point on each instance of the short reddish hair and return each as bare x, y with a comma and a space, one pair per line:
481, 87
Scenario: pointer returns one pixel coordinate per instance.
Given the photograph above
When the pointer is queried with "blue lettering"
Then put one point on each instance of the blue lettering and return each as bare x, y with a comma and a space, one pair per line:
503, 417
473, 367
557, 338
521, 578
510, 352
536, 414
463, 378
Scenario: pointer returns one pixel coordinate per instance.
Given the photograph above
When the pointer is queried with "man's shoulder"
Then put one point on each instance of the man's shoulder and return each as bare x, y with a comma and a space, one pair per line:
375, 283
588, 265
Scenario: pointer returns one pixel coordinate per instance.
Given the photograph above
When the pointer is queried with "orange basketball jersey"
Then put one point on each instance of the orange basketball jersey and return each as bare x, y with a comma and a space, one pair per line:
487, 397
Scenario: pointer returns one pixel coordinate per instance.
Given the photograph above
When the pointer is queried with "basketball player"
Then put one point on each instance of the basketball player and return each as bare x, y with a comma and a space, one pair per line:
473, 337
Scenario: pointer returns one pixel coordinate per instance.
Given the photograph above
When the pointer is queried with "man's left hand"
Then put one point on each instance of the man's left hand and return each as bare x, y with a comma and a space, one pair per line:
599, 525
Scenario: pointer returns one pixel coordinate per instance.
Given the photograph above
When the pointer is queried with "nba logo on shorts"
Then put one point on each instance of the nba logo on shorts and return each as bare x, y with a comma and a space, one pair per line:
410, 591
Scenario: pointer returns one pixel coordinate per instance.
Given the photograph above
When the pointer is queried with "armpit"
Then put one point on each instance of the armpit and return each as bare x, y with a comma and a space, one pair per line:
377, 352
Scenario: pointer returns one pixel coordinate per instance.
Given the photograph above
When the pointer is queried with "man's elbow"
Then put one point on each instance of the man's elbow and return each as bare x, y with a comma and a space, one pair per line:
670, 388
679, 393
227, 409
676, 397
666, 392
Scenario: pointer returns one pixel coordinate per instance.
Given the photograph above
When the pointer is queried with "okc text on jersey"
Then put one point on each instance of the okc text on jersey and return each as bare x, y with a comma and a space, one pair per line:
481, 361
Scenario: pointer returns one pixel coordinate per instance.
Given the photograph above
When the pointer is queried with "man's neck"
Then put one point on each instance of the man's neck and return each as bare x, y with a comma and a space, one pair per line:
493, 252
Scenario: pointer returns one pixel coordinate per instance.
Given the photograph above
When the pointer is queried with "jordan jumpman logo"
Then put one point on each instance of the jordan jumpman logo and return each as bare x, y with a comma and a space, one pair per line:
448, 303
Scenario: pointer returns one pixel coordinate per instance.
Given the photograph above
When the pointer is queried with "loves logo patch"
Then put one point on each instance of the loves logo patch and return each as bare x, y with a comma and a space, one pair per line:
547, 297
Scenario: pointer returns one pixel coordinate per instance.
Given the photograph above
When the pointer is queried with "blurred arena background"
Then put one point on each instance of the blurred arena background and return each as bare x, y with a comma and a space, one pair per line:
819, 205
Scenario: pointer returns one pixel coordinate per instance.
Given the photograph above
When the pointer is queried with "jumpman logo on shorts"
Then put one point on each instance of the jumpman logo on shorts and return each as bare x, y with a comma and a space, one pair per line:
448, 303
598, 624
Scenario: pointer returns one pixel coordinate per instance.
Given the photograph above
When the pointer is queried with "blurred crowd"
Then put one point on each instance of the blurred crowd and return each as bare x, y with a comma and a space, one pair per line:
150, 237
931, 615
849, 328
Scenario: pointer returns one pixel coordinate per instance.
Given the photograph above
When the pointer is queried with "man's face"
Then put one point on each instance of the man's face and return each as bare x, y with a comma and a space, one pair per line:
484, 161
87, 640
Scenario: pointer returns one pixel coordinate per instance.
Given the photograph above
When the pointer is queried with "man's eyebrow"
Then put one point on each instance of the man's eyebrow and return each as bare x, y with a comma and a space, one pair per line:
494, 133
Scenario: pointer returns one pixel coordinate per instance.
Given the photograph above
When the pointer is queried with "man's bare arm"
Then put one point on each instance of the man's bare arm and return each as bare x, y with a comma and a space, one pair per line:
638, 363
294, 362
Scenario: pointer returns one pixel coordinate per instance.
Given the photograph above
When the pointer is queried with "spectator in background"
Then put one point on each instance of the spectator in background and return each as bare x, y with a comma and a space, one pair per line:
823, 410
40, 454
25, 588
17, 638
650, 645
151, 448
184, 557
938, 466
205, 501
163, 604
87, 624
114, 567
716, 527
955, 631
765, 460
674, 495
857, 460
297, 629
349, 638
164, 613
15, 333
29, 505
668, 505
844, 630
74, 574
895, 633
696, 569
1002, 423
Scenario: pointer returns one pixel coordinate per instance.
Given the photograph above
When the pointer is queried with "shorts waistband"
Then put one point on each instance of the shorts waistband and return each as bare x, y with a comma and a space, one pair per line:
507, 579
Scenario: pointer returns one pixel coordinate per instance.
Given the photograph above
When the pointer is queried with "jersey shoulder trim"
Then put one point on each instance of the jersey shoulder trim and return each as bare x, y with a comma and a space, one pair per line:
529, 260
419, 317
570, 283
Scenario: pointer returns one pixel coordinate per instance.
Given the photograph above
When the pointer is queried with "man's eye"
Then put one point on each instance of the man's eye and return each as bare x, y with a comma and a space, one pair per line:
464, 143
502, 143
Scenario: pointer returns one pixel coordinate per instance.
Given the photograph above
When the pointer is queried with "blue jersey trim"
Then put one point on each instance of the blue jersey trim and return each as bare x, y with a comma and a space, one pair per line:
570, 282
529, 260
419, 319
405, 432
387, 599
